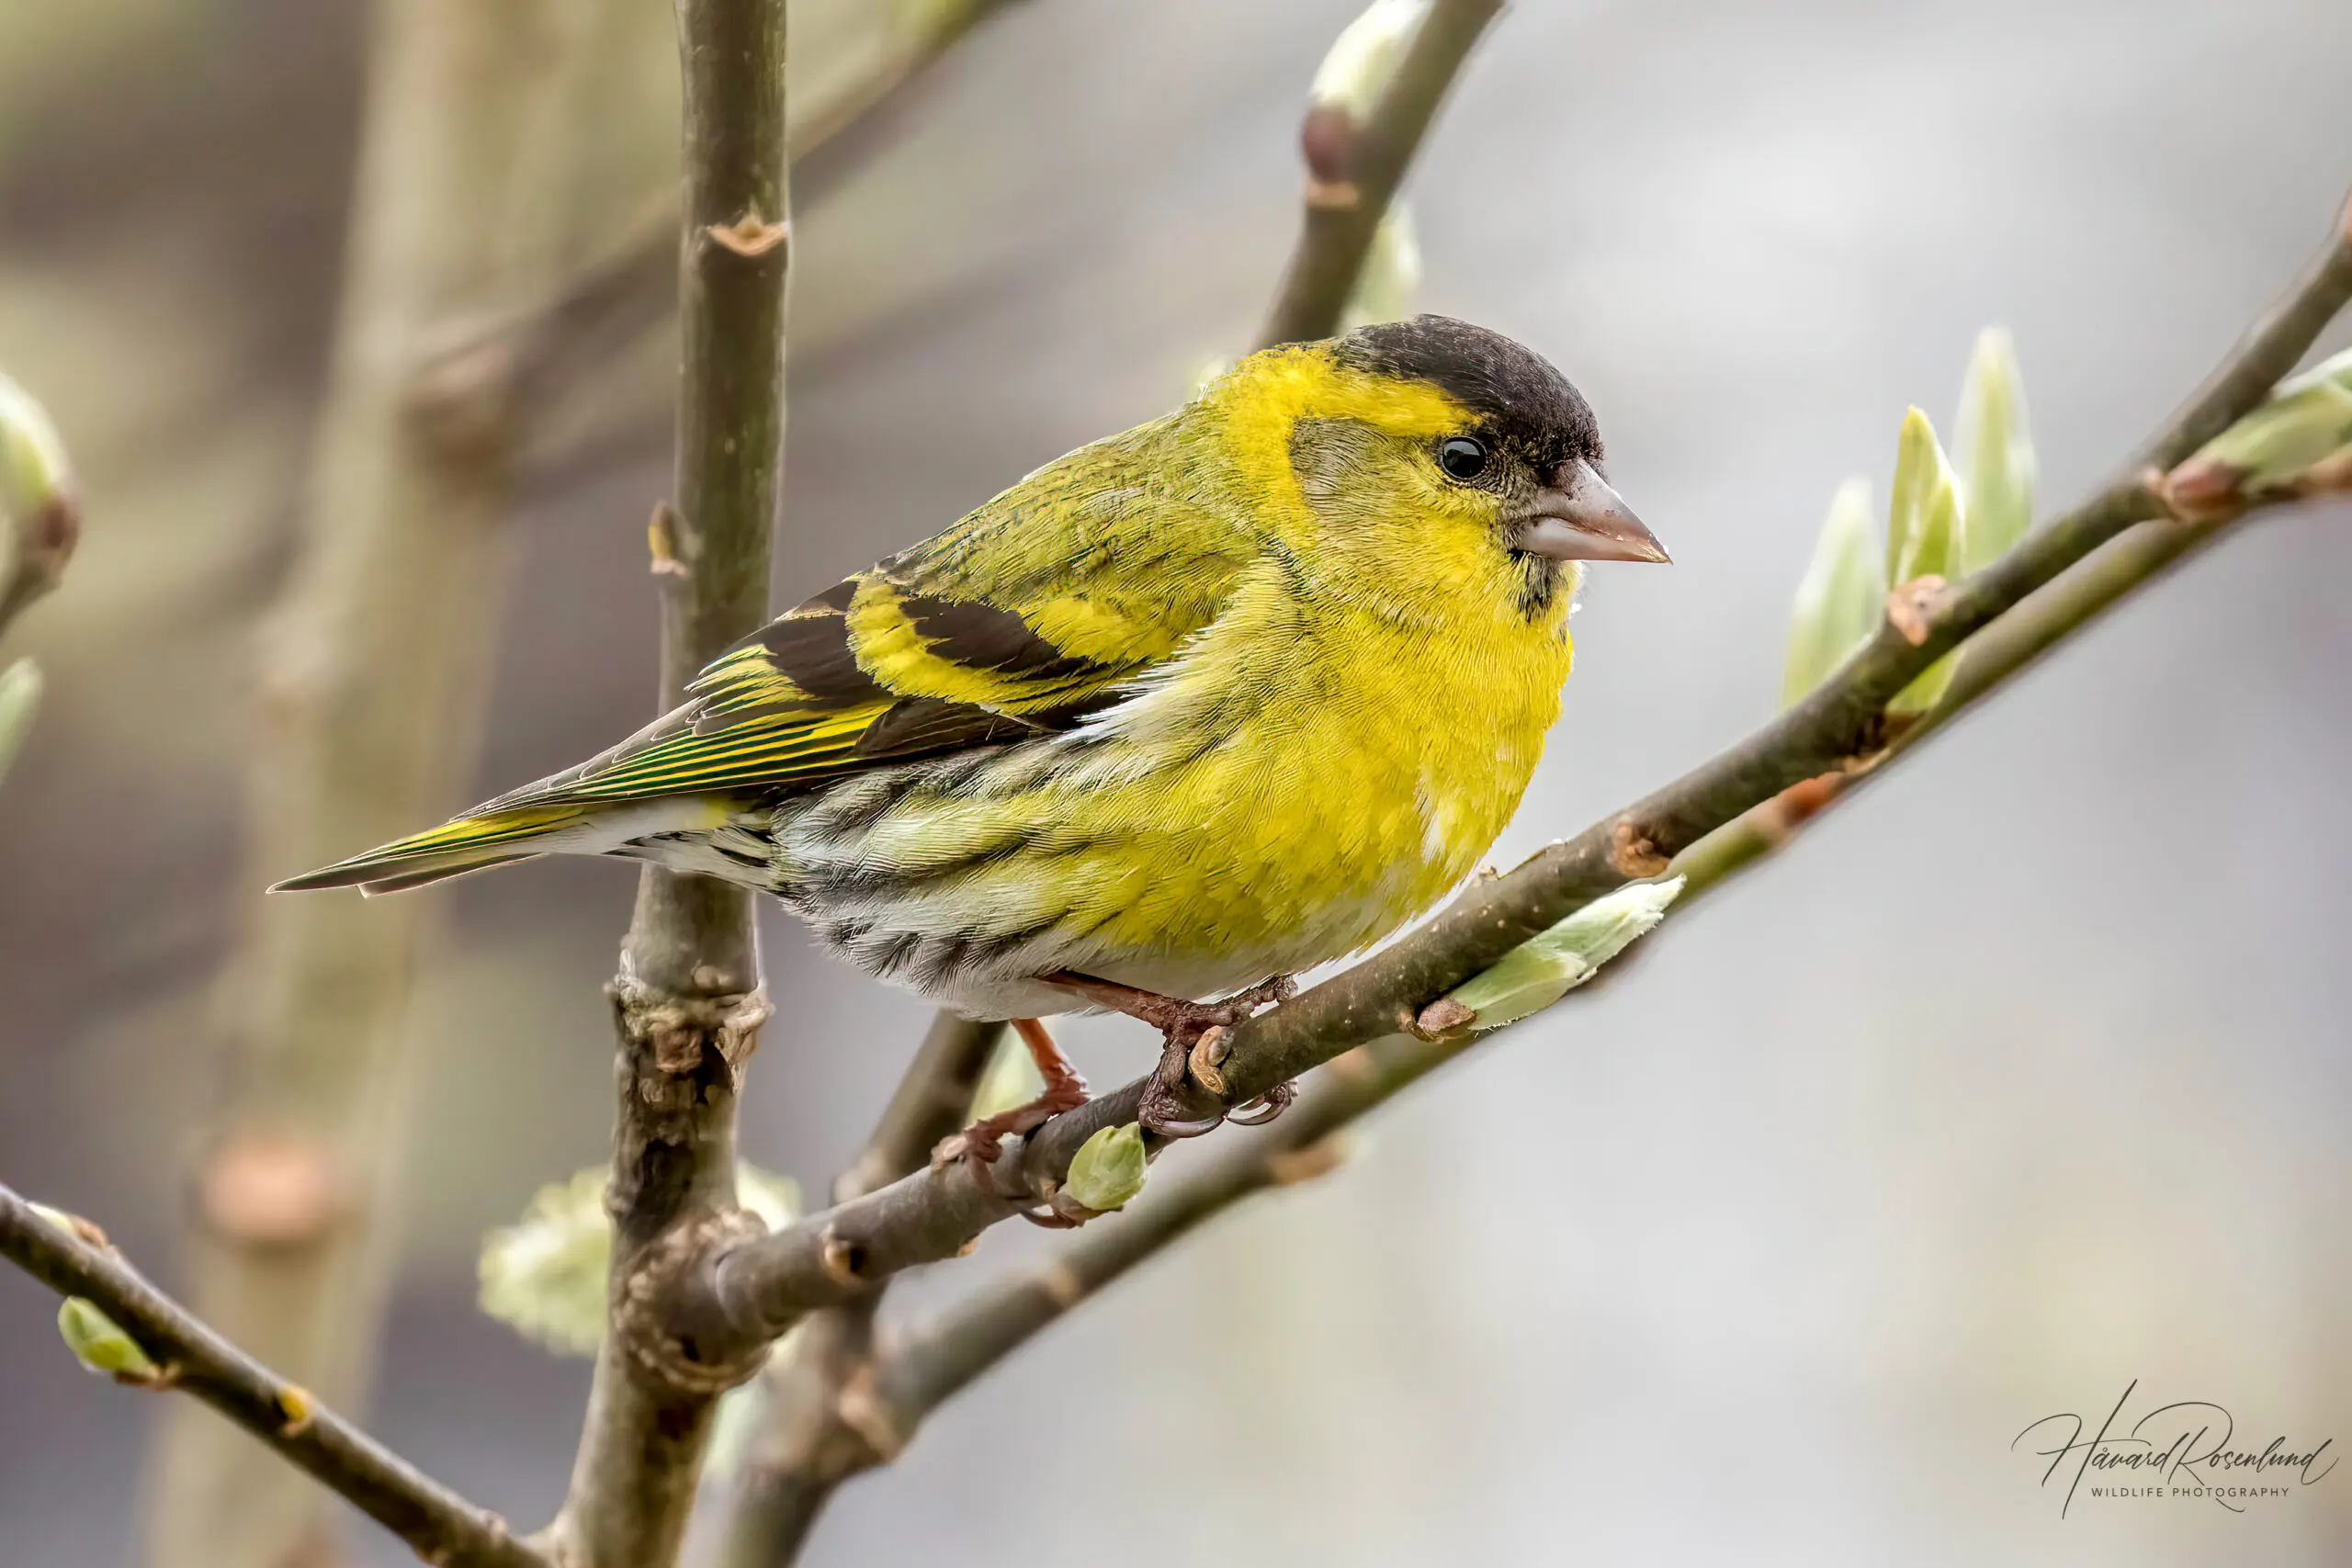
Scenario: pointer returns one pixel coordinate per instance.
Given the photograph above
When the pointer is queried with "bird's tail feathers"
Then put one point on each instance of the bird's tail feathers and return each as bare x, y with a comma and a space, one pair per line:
455, 848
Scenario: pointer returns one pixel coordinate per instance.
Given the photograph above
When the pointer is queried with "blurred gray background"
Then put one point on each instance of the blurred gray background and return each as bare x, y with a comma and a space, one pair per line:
2026, 1077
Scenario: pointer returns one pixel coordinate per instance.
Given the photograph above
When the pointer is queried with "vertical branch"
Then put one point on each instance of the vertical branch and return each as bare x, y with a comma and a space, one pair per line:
687, 1001
1353, 169
371, 697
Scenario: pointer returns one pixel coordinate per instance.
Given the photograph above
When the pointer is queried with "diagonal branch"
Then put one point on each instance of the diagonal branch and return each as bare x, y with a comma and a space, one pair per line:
687, 1002
1353, 170
759, 1290
442, 1526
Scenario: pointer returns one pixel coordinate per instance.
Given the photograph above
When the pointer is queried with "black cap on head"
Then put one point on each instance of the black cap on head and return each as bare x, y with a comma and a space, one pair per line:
1509, 387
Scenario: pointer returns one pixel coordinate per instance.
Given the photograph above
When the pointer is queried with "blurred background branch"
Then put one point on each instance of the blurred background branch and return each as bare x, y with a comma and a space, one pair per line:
688, 1002
373, 688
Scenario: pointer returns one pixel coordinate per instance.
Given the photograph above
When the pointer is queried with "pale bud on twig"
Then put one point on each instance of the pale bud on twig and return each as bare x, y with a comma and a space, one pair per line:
1994, 451
2298, 442
1925, 537
1362, 62
545, 1277
1545, 968
39, 514
99, 1343
1108, 1170
1842, 596
97, 1340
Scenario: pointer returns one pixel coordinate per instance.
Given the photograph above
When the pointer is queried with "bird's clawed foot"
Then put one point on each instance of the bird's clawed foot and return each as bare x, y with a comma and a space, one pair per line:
1064, 1091
1194, 1050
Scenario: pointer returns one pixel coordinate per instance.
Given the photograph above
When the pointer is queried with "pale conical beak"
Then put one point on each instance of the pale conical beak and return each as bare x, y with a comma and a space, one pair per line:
1582, 519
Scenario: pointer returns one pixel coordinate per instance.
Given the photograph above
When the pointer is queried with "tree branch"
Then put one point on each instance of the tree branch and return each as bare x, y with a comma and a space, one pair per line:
1353, 170
442, 1526
818, 1430
759, 1290
687, 1001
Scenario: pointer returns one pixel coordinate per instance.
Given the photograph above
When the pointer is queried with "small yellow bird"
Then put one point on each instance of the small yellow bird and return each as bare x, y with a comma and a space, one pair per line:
1225, 697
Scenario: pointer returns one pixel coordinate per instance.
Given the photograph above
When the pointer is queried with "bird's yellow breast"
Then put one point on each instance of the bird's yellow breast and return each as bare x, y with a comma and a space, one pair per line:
1317, 775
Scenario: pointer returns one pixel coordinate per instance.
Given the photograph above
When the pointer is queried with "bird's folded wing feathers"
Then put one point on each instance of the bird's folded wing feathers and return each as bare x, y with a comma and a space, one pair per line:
1030, 613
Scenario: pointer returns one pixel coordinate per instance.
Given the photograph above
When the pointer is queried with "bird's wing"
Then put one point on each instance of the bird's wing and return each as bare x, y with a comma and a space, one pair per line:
1029, 614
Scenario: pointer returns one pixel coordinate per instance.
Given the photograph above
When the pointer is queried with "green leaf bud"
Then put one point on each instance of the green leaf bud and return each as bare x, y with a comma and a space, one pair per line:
1108, 1170
545, 1277
1547, 966
100, 1343
39, 518
1925, 537
2304, 424
1994, 451
1923, 520
1362, 60
34, 474
1843, 595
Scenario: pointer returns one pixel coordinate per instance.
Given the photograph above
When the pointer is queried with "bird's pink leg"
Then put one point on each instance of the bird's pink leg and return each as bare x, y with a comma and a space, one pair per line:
1064, 1091
1181, 1025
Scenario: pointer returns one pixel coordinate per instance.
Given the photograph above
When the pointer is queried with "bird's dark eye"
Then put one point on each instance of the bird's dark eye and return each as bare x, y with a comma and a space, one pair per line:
1462, 458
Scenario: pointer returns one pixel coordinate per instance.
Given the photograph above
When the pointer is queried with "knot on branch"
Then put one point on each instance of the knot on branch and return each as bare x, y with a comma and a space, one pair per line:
1327, 143
1911, 607
676, 1264
749, 236
1633, 853
687, 1036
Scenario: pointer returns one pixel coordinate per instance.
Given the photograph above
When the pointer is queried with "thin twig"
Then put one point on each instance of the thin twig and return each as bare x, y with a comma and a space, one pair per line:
1352, 173
761, 1288
819, 1428
687, 1001
442, 1526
